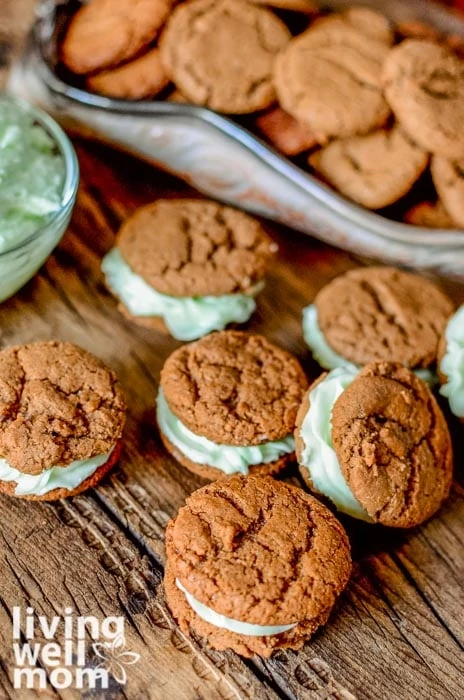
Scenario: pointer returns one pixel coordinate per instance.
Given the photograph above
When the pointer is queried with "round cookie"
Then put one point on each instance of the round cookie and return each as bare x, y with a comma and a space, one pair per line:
448, 178
424, 85
382, 313
104, 33
388, 437
60, 407
219, 53
373, 170
228, 403
143, 77
196, 264
261, 553
329, 79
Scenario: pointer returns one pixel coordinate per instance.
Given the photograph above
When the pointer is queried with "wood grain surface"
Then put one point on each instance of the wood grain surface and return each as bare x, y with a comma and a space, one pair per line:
396, 634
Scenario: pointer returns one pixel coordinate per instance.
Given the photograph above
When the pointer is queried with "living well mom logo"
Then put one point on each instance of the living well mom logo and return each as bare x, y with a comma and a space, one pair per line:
73, 661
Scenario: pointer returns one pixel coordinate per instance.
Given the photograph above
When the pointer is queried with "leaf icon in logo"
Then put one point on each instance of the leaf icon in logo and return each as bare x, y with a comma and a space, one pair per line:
115, 658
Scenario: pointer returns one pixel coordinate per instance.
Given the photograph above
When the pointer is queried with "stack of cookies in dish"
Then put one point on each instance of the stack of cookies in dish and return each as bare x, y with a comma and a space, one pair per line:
371, 108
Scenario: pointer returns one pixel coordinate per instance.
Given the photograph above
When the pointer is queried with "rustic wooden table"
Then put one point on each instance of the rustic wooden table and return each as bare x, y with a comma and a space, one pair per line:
397, 633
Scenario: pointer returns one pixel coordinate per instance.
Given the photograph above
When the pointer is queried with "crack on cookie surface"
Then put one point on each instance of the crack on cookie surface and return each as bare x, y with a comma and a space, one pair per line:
231, 548
190, 248
383, 314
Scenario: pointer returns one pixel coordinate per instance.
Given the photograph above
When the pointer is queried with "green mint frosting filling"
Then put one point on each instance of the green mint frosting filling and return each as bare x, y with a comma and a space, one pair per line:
31, 175
187, 318
452, 364
230, 459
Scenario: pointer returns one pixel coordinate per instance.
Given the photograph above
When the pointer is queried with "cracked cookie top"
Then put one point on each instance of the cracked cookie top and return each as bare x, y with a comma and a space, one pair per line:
103, 33
424, 85
328, 78
219, 53
185, 247
58, 404
393, 445
234, 388
382, 313
259, 550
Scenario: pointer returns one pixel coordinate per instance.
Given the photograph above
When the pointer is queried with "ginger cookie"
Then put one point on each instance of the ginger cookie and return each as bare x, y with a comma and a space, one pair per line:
195, 263
228, 402
328, 78
424, 85
451, 363
429, 215
285, 133
448, 178
143, 77
307, 7
373, 170
62, 415
377, 313
220, 53
254, 565
376, 444
104, 33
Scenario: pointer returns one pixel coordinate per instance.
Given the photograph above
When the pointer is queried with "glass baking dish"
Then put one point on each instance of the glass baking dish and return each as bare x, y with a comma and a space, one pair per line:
227, 162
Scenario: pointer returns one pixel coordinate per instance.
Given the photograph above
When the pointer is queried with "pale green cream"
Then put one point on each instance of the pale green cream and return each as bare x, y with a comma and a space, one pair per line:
187, 318
318, 455
328, 358
54, 478
230, 459
452, 364
31, 175
227, 623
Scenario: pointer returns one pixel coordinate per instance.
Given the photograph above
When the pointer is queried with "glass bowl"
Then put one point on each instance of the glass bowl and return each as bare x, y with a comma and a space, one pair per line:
19, 263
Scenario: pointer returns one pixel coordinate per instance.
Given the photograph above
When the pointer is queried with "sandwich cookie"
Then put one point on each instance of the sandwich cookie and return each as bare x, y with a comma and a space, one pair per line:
62, 415
377, 313
254, 565
376, 444
192, 266
451, 363
228, 403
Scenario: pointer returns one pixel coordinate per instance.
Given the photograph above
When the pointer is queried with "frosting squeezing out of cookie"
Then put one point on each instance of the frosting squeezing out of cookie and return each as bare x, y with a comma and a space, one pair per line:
452, 364
187, 318
318, 455
227, 623
68, 477
230, 459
